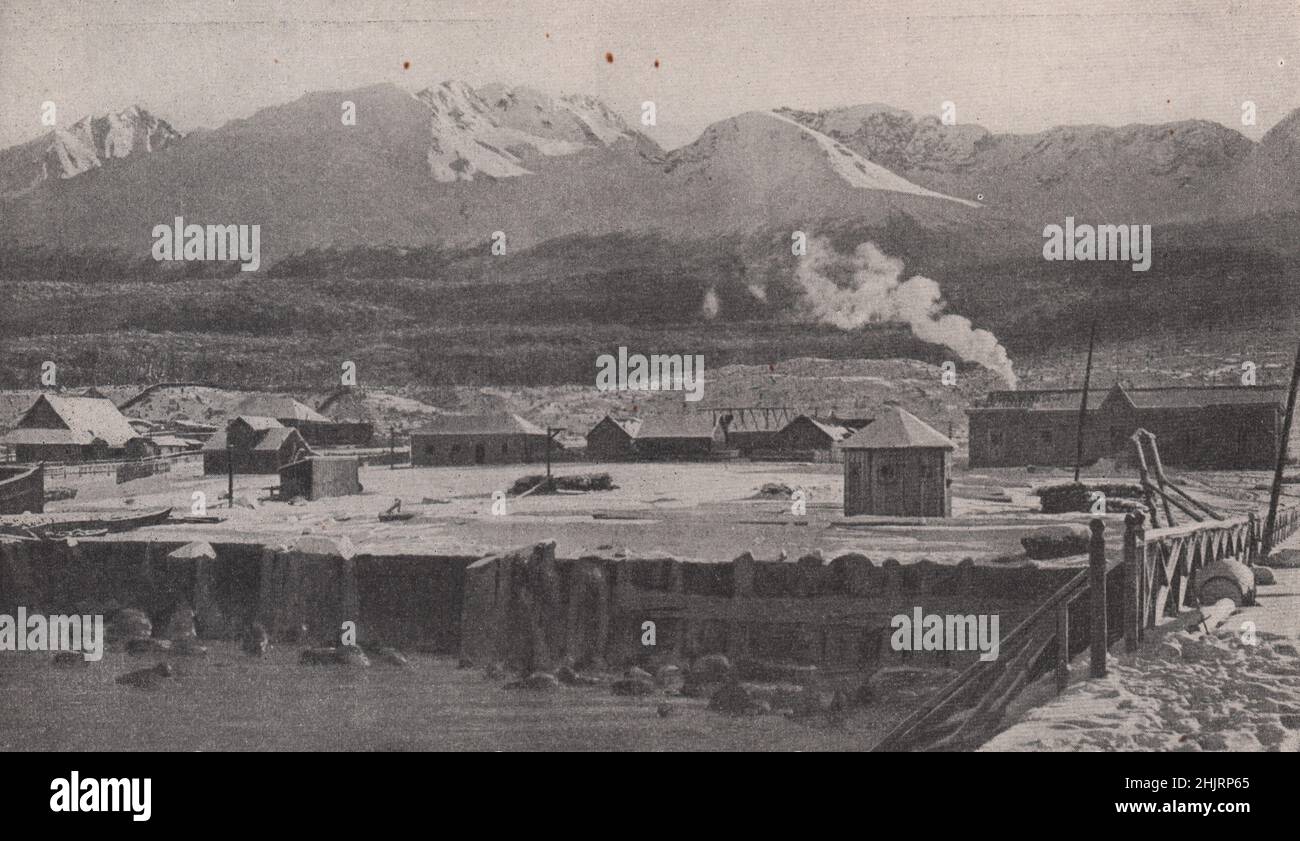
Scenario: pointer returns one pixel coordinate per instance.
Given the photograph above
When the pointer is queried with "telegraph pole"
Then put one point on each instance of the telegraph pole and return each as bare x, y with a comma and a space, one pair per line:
1083, 404
1276, 493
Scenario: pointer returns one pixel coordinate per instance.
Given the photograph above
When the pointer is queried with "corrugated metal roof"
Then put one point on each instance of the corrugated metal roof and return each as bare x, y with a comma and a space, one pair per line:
897, 428
497, 424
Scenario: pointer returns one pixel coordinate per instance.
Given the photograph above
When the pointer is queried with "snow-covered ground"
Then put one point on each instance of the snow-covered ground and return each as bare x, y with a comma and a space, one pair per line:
1236, 688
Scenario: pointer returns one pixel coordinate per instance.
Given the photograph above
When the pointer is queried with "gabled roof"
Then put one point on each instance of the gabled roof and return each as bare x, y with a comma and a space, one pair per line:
679, 425
1163, 397
86, 418
897, 428
271, 436
630, 425
496, 424
279, 406
833, 430
274, 438
259, 423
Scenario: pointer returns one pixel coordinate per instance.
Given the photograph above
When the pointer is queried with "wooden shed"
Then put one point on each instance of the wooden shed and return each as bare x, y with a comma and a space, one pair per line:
317, 477
898, 465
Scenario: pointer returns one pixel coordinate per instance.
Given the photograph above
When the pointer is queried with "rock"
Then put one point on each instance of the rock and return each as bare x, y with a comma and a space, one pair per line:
667, 674
146, 678
633, 686
569, 676
1226, 579
180, 625
537, 681
255, 641
637, 673
148, 645
1263, 575
351, 655
736, 699
130, 623
392, 657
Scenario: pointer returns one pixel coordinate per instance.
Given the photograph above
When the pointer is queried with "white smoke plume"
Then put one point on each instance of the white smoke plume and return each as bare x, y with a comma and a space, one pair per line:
873, 291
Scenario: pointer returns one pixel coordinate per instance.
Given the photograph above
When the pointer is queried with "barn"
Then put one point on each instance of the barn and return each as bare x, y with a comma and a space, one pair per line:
686, 435
71, 429
613, 438
898, 465
257, 445
1226, 427
479, 439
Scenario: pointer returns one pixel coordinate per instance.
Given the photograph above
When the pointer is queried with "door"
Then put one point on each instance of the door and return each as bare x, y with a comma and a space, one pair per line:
480, 453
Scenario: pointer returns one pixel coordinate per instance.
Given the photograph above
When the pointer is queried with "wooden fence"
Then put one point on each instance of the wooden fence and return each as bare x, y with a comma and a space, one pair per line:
63, 470
1111, 599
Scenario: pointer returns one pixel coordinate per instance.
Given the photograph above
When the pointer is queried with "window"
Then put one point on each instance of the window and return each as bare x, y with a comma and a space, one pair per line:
1045, 436
887, 474
454, 451
926, 471
505, 448
995, 439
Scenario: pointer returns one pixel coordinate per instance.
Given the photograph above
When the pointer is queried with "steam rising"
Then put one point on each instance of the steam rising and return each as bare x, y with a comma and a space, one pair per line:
874, 292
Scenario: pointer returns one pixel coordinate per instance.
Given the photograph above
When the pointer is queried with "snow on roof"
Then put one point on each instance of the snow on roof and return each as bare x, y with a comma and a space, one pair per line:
496, 424
897, 428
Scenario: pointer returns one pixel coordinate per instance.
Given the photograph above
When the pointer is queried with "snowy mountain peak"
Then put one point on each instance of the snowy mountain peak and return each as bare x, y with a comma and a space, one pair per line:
87, 144
492, 130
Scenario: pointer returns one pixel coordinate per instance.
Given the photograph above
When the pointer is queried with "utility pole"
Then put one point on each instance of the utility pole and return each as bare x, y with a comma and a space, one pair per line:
392, 448
230, 473
1275, 495
550, 432
1083, 404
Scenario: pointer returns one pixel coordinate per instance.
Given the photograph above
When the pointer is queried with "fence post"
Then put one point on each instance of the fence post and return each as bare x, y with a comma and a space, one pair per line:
1134, 561
1097, 592
1062, 646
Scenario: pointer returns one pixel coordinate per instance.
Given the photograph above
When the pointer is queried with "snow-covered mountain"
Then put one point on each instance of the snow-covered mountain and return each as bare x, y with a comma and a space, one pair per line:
87, 144
451, 164
490, 132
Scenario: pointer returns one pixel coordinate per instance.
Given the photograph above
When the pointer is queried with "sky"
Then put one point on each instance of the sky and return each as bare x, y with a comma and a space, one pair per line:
1007, 65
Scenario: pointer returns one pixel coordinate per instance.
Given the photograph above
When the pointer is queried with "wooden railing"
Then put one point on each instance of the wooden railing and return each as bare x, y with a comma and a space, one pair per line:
1118, 598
